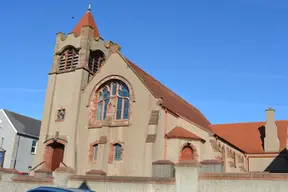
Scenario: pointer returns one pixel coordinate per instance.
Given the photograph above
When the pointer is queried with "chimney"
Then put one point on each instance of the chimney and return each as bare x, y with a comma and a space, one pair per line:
271, 140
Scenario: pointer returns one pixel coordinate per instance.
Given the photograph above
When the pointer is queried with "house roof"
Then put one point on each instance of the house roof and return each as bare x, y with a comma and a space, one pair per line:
171, 100
87, 20
23, 124
181, 133
249, 136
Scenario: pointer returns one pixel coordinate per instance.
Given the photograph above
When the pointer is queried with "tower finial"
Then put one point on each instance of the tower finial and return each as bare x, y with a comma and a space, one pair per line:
89, 7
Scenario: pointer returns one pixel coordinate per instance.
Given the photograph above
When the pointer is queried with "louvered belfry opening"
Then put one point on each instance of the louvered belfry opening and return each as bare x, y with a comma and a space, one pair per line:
96, 60
68, 60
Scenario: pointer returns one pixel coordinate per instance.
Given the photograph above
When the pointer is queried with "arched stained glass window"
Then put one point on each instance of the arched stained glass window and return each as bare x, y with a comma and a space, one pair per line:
114, 89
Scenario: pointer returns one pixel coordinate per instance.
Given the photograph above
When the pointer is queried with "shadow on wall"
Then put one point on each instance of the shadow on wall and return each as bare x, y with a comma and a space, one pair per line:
279, 164
262, 135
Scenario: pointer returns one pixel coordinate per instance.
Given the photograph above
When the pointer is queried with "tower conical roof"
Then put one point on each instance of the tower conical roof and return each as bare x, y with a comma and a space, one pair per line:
87, 20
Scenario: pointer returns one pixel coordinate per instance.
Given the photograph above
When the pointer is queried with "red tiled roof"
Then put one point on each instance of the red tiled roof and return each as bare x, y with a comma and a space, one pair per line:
181, 133
247, 137
171, 101
87, 20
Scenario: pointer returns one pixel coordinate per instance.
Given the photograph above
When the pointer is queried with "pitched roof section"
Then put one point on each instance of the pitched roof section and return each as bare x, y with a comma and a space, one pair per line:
247, 136
172, 101
181, 133
24, 125
87, 20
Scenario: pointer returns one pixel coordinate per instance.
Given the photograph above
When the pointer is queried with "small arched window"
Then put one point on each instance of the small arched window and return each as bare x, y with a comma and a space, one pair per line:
117, 90
68, 60
95, 151
117, 152
186, 153
96, 59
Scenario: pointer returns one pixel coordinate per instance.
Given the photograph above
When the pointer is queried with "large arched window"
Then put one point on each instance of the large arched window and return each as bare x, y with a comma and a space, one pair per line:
113, 90
68, 60
96, 58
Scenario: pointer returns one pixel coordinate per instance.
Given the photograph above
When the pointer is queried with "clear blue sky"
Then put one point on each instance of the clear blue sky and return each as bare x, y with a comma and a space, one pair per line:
228, 58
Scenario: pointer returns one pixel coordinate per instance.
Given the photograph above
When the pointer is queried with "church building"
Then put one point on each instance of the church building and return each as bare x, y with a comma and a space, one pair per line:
105, 115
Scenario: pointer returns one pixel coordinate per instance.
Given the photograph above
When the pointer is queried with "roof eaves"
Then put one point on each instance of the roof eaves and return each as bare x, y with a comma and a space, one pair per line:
7, 117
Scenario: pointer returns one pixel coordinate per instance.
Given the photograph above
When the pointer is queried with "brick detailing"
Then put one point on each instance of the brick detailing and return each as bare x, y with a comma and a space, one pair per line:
112, 152
154, 117
111, 121
186, 146
102, 140
216, 146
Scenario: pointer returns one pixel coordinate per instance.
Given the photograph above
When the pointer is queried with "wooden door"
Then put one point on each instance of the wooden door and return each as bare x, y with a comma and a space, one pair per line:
57, 156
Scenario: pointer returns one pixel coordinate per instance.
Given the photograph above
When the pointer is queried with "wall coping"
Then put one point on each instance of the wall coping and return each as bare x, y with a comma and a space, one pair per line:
11, 171
211, 162
32, 179
190, 163
243, 176
163, 162
118, 179
95, 172
64, 170
43, 170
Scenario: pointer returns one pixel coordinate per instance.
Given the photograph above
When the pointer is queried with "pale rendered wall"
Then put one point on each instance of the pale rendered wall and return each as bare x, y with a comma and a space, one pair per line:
133, 136
9, 140
259, 164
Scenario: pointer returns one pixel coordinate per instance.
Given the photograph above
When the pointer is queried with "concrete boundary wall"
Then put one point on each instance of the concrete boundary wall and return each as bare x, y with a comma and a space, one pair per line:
188, 178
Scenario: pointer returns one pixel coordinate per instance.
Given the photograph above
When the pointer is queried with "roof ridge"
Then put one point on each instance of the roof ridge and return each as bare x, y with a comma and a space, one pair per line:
246, 122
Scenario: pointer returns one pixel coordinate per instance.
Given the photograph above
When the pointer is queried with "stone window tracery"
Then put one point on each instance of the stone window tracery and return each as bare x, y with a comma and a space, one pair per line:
113, 90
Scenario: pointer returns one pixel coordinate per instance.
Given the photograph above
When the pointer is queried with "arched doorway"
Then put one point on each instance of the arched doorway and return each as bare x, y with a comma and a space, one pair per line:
54, 154
186, 153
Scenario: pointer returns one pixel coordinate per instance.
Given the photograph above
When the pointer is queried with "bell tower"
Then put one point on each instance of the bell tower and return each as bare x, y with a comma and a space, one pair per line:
77, 58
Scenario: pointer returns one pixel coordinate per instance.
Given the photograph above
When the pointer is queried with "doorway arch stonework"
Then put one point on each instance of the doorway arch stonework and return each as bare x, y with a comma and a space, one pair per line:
54, 153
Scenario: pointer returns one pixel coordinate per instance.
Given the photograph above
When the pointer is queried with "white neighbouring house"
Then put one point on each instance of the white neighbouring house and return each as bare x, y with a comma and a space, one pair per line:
19, 135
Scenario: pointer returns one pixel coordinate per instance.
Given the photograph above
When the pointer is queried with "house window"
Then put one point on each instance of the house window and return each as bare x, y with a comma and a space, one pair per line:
60, 114
34, 146
96, 60
95, 151
117, 152
68, 60
117, 90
